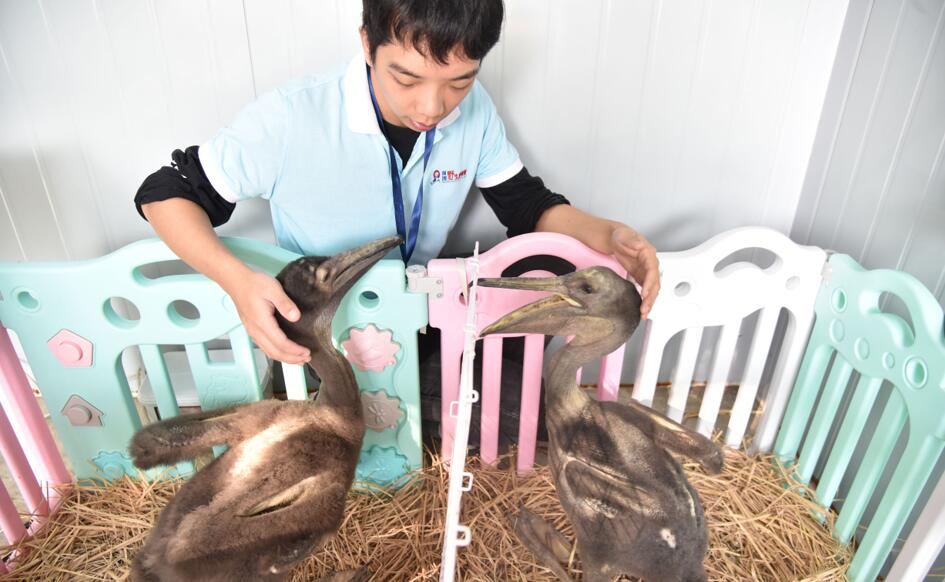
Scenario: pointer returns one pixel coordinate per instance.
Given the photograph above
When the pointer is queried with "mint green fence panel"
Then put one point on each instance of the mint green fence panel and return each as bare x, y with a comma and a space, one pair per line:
881, 347
376, 326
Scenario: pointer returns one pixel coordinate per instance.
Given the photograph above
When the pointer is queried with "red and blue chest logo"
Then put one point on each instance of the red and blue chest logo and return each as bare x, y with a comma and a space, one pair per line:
448, 175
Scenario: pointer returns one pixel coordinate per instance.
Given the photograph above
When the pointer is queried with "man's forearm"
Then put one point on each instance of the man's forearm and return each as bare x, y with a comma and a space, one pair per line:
592, 231
185, 228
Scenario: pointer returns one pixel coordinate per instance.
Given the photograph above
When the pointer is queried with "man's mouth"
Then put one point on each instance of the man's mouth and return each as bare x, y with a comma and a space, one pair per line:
421, 126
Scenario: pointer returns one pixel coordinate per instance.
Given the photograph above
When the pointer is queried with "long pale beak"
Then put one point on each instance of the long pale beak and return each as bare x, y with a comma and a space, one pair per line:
543, 316
345, 268
552, 284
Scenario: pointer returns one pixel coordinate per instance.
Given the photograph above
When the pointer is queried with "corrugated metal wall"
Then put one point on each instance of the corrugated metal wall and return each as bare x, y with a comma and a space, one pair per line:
681, 118
876, 185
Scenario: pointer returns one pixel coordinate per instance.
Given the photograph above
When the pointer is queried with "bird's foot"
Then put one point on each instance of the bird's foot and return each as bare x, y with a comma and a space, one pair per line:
544, 541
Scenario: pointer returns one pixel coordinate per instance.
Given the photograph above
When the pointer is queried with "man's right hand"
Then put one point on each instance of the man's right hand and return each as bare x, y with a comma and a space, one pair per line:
257, 297
186, 229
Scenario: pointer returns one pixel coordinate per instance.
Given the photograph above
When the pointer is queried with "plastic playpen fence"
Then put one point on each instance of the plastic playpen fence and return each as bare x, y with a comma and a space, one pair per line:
753, 309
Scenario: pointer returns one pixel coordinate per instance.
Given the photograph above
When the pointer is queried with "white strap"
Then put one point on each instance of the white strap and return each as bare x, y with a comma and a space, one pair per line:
461, 480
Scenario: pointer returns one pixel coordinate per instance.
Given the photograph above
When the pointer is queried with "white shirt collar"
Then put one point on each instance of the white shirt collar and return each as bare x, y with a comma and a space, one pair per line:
359, 110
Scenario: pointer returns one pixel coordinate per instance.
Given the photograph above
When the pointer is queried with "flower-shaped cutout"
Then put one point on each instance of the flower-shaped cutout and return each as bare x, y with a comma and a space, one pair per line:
114, 464
381, 412
370, 349
381, 465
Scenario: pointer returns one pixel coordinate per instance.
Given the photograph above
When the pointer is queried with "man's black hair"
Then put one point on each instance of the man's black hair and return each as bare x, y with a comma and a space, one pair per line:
435, 28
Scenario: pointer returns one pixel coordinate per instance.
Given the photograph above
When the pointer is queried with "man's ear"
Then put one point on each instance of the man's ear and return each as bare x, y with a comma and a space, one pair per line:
366, 47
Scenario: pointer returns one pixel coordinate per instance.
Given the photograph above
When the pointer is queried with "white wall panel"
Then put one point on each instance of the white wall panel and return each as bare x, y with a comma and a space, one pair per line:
29, 137
876, 184
623, 59
85, 85
9, 238
678, 33
709, 118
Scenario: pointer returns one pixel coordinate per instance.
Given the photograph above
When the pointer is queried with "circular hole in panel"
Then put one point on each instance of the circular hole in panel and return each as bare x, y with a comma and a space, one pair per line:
682, 289
27, 300
792, 283
183, 313
889, 360
916, 372
121, 312
368, 299
837, 330
862, 348
839, 300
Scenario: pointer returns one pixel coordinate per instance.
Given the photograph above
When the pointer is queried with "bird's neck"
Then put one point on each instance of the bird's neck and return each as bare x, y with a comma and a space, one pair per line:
563, 398
338, 388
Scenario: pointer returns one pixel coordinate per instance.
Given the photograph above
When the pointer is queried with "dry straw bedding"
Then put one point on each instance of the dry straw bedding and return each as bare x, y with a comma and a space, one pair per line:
759, 529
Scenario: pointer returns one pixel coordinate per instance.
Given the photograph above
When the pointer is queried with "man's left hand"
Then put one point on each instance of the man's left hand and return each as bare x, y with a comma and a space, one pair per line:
638, 257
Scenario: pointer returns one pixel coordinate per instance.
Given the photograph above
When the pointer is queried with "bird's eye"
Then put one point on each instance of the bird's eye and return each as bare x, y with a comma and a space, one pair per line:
586, 287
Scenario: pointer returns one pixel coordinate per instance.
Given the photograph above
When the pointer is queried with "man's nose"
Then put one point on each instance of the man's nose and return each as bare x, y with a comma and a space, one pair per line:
431, 105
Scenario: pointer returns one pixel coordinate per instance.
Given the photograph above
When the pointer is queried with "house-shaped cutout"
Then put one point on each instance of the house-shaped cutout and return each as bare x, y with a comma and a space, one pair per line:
81, 413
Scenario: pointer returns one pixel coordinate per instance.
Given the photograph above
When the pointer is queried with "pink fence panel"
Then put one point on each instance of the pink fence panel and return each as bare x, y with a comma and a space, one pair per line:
448, 310
28, 448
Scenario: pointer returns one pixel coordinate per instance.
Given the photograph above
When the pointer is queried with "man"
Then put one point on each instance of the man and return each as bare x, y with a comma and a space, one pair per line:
390, 145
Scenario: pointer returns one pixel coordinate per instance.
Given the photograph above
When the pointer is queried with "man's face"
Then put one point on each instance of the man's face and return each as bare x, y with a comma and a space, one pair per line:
415, 91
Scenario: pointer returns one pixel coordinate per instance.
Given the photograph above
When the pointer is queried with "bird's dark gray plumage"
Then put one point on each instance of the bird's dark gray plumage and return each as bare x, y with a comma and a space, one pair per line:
279, 491
631, 506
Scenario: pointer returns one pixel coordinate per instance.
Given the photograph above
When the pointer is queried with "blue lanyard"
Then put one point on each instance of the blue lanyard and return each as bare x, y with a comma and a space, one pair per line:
410, 239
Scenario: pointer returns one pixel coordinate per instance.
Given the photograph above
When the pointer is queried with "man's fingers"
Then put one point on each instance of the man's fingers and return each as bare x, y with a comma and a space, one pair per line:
270, 338
285, 306
635, 253
648, 294
635, 244
265, 346
270, 349
631, 253
625, 235
257, 300
643, 266
288, 351
646, 306
651, 285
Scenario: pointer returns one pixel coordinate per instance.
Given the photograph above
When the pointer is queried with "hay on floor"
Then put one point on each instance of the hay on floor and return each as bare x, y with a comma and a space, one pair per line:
759, 529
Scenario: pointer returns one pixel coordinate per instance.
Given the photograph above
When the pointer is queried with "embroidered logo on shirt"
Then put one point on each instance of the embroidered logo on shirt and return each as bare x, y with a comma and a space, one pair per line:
448, 175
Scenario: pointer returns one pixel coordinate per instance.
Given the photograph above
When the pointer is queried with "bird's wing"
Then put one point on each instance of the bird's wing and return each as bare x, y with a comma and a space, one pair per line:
308, 510
602, 495
669, 434
188, 435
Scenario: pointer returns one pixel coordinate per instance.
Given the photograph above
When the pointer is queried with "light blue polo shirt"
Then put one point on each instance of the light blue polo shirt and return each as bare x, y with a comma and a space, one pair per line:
314, 150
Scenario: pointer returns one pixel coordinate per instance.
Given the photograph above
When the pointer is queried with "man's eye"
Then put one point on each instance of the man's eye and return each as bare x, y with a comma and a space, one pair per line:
404, 83
461, 86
